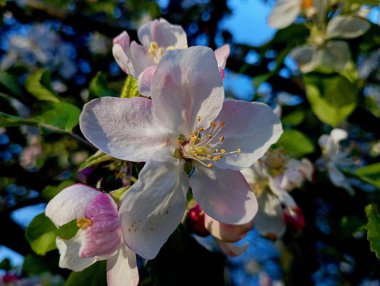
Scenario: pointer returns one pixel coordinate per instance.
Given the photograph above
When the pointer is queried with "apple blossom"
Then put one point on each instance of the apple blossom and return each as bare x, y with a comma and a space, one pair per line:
99, 237
324, 50
187, 123
334, 158
271, 178
157, 37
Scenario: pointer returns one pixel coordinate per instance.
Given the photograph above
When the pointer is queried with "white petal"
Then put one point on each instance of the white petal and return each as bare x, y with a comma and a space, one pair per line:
269, 218
284, 13
69, 253
221, 55
250, 127
145, 80
335, 55
154, 206
125, 129
70, 204
339, 179
164, 33
338, 135
122, 269
187, 84
306, 58
346, 27
224, 195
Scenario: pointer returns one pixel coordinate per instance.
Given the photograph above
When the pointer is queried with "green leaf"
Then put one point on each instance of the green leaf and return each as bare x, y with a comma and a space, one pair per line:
118, 194
296, 143
130, 88
295, 118
63, 116
41, 234
50, 192
10, 83
7, 120
39, 85
95, 159
68, 230
370, 174
99, 87
95, 275
36, 265
373, 228
332, 99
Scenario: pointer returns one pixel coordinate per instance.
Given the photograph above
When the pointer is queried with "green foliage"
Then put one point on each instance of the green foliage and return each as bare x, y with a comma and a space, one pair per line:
41, 234
35, 265
95, 275
332, 99
95, 159
10, 83
370, 174
51, 191
99, 87
130, 88
373, 228
7, 120
296, 143
39, 85
295, 118
62, 116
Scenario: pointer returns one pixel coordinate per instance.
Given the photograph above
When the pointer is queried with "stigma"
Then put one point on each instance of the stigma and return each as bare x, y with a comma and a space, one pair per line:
84, 223
205, 146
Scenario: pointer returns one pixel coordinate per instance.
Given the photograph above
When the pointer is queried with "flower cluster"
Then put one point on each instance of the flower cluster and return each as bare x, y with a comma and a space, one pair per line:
187, 134
325, 46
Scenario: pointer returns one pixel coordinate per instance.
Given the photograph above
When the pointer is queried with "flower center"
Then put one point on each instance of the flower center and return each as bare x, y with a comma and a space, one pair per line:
84, 222
204, 146
157, 52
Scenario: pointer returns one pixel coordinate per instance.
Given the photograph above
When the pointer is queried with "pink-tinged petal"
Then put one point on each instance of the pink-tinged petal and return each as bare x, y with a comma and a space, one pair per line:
122, 268
250, 127
132, 58
70, 204
307, 169
270, 220
231, 249
122, 40
187, 84
103, 237
145, 80
227, 232
221, 55
284, 13
125, 129
224, 195
69, 253
154, 206
164, 33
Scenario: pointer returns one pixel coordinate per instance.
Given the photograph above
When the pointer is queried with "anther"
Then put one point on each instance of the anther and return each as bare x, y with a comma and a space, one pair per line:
210, 166
221, 138
223, 151
84, 223
238, 150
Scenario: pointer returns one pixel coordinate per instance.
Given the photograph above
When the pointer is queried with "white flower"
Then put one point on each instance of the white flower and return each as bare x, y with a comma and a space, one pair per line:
186, 122
157, 37
100, 236
324, 50
334, 158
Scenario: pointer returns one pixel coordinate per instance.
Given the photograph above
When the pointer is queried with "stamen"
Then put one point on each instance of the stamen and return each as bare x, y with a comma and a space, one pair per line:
84, 222
221, 138
210, 166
